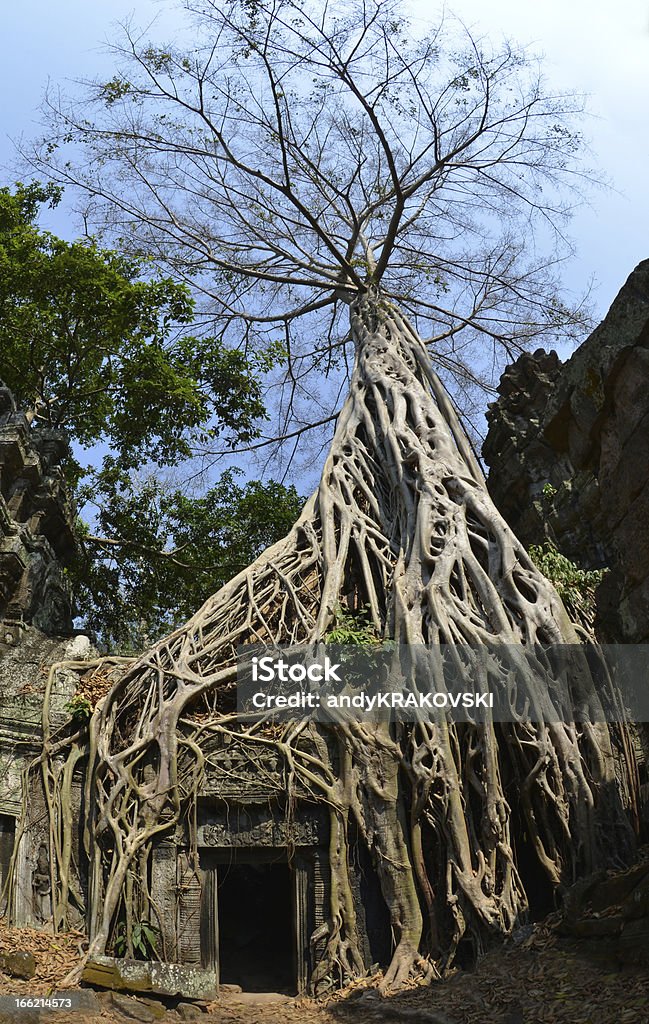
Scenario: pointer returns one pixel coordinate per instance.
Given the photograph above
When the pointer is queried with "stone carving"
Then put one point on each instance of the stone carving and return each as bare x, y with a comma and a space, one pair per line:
190, 893
252, 827
234, 772
41, 886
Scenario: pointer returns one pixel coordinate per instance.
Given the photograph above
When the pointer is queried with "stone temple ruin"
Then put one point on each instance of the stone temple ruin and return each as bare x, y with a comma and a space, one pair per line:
36, 543
252, 913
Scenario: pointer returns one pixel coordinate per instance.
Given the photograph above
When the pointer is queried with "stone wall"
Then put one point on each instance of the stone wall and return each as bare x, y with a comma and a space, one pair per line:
24, 669
568, 451
36, 630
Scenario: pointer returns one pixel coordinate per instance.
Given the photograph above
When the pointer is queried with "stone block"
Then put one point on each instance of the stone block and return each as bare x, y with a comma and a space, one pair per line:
18, 965
615, 890
188, 1011
157, 1008
143, 976
82, 999
132, 1008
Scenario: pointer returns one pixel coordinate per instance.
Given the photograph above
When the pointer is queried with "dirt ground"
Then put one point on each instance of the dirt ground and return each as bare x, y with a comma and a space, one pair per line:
545, 979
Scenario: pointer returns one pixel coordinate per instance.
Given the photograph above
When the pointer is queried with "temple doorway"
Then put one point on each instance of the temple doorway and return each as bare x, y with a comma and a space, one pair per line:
257, 926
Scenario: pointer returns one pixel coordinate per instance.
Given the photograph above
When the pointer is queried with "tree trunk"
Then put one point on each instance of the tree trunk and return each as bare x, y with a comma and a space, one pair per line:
402, 524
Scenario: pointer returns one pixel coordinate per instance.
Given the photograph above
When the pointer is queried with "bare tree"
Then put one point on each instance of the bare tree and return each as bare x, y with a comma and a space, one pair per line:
292, 156
322, 172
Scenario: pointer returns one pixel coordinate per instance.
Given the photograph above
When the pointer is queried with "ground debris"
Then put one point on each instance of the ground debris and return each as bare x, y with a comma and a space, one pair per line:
54, 956
546, 977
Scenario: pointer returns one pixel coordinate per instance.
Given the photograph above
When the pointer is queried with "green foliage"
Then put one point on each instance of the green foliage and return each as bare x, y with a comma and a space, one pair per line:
576, 587
94, 343
548, 490
169, 551
354, 628
79, 707
144, 941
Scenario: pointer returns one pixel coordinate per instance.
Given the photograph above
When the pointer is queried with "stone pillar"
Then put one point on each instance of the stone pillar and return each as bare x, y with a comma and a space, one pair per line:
163, 892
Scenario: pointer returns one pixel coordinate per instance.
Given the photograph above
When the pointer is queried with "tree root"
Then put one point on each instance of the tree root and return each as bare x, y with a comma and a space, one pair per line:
401, 525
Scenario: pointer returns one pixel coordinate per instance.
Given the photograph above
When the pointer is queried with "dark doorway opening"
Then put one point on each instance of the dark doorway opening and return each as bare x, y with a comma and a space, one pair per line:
256, 928
374, 908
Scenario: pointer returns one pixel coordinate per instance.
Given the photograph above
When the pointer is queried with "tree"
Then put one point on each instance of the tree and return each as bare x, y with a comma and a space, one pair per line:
338, 168
283, 160
91, 347
156, 553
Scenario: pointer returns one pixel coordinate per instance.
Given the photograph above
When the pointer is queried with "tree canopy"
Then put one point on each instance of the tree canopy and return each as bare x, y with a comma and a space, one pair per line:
93, 342
291, 155
97, 345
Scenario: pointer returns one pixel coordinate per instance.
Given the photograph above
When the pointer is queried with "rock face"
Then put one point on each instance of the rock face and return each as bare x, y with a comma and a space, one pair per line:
568, 451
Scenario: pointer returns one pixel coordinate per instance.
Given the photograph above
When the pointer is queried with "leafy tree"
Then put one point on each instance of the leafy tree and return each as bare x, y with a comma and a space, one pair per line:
91, 346
156, 554
321, 174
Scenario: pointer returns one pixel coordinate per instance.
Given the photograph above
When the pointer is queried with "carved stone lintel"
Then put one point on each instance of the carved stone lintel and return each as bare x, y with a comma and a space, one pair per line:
255, 827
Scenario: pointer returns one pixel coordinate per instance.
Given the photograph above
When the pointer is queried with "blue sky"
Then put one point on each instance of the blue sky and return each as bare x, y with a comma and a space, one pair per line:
600, 49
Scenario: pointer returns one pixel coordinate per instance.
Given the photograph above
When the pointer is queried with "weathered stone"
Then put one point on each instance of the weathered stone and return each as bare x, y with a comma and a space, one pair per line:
82, 999
613, 891
522, 462
632, 535
37, 544
18, 965
583, 428
187, 1011
158, 1009
587, 379
36, 528
133, 1008
265, 998
593, 927
634, 941
150, 976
